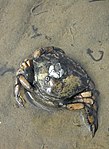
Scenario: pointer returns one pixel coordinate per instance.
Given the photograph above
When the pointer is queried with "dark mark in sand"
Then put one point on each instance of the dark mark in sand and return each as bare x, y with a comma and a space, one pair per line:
4, 69
95, 0
47, 37
89, 52
35, 32
36, 9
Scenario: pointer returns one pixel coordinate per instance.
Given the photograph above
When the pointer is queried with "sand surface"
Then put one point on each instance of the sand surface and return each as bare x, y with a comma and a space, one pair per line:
76, 26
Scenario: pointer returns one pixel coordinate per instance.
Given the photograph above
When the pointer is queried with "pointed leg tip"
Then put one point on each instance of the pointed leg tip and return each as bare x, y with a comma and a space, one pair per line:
92, 119
93, 129
20, 101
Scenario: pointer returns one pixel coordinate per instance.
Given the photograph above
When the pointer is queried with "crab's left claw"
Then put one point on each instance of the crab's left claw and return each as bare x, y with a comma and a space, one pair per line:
22, 83
19, 98
92, 117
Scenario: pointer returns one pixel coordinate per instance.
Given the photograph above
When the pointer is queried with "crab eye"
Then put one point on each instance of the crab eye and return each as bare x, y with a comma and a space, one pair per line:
47, 79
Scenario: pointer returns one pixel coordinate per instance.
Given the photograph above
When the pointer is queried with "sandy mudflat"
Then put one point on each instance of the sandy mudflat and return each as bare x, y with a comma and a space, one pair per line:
75, 26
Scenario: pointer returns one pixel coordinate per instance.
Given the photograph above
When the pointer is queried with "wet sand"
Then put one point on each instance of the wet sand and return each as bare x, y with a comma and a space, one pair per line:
81, 29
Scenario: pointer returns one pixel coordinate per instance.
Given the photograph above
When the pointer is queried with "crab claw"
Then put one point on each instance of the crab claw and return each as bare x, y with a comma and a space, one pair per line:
92, 117
17, 93
20, 100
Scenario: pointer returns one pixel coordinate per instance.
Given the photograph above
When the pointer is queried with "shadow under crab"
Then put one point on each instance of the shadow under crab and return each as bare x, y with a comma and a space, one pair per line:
52, 79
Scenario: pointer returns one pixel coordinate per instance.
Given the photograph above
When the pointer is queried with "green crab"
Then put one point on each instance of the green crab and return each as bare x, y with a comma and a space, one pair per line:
52, 79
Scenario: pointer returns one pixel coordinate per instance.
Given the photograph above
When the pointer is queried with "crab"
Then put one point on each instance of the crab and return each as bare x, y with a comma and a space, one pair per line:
52, 79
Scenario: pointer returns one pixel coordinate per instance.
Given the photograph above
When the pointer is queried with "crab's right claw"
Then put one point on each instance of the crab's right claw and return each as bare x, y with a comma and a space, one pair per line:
92, 117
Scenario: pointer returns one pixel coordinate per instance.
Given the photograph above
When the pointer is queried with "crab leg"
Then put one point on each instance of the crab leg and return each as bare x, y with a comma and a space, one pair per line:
46, 50
22, 82
91, 109
20, 100
92, 117
87, 102
41, 51
75, 106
